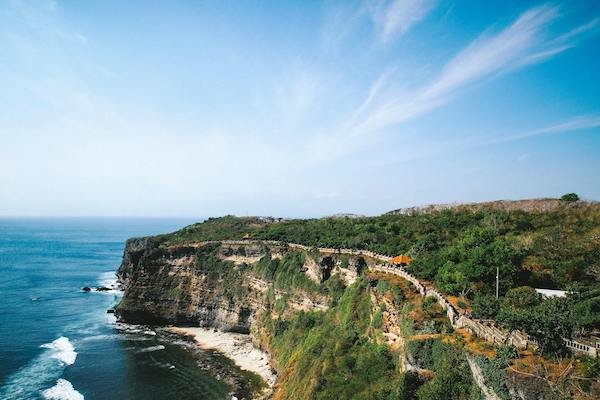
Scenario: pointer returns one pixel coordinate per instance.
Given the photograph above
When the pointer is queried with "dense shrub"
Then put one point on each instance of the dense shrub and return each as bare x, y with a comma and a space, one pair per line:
570, 197
285, 273
485, 306
494, 370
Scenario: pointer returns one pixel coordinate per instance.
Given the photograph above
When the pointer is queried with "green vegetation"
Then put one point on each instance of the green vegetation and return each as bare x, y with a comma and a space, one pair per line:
334, 287
494, 370
334, 355
329, 355
590, 371
570, 197
459, 250
177, 293
420, 352
285, 273
218, 270
452, 379
548, 320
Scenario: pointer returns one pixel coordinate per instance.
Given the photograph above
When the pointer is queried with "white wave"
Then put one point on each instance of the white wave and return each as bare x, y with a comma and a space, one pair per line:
151, 349
62, 350
97, 338
26, 383
63, 390
134, 329
128, 328
108, 279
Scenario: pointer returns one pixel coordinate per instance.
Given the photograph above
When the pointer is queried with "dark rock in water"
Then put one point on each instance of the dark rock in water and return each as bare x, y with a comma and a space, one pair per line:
103, 289
110, 311
86, 289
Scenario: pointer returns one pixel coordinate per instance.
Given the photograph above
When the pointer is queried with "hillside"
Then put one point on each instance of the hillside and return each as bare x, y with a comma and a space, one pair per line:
337, 327
554, 245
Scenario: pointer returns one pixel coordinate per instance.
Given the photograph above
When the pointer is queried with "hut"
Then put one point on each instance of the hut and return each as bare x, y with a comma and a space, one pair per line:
401, 260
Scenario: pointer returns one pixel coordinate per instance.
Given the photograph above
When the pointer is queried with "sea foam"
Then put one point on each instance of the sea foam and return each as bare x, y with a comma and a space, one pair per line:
63, 390
151, 349
62, 350
108, 280
27, 382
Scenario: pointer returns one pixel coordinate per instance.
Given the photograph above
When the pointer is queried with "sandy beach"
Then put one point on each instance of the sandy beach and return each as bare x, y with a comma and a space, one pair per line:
235, 346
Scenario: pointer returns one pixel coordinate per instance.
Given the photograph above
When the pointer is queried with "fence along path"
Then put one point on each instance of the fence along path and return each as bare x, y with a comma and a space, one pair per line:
486, 329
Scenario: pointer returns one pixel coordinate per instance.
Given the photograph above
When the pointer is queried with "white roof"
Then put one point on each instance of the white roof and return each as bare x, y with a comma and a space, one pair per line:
551, 292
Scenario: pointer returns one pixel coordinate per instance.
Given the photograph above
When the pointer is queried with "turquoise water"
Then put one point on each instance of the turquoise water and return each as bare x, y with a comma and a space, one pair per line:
57, 342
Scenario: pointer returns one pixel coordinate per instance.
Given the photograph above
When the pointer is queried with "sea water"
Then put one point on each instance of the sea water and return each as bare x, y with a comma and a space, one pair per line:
59, 342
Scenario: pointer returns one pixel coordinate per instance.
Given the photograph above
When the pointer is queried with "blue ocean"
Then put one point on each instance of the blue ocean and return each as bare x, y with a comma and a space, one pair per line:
59, 342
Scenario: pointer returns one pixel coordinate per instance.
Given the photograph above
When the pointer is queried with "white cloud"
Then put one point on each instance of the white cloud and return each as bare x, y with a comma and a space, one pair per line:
396, 18
574, 124
488, 54
524, 42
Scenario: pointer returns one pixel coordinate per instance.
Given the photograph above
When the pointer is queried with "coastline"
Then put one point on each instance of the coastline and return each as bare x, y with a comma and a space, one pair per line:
236, 346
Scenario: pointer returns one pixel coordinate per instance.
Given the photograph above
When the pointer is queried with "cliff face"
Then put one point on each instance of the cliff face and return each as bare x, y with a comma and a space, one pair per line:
212, 285
166, 285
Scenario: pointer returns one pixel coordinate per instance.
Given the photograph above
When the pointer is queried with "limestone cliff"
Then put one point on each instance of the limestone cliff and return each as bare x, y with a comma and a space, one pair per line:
213, 285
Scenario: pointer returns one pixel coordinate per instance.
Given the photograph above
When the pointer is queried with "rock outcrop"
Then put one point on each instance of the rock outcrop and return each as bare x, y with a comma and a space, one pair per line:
209, 285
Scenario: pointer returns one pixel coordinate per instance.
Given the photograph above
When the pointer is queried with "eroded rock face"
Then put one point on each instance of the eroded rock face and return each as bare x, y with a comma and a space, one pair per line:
179, 285
188, 285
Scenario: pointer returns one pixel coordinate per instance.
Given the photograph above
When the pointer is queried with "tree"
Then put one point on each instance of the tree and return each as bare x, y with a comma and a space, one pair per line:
522, 297
517, 307
585, 310
451, 278
547, 320
550, 323
485, 306
570, 197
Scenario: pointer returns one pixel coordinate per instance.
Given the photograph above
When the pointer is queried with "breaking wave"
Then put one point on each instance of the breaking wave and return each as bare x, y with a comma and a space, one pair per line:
27, 382
63, 390
62, 350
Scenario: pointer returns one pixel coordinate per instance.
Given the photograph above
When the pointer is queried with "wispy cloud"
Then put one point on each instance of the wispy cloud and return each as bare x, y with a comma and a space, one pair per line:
395, 18
573, 124
430, 150
492, 53
523, 42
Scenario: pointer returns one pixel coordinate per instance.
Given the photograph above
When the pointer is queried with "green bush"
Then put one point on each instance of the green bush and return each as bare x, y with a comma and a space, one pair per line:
420, 352
382, 286
378, 317
485, 306
570, 197
286, 273
452, 379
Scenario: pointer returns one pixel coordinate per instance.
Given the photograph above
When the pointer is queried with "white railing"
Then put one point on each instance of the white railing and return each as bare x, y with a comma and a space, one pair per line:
582, 347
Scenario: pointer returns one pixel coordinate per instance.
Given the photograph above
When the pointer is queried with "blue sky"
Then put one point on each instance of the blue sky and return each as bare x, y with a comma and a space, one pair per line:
294, 108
